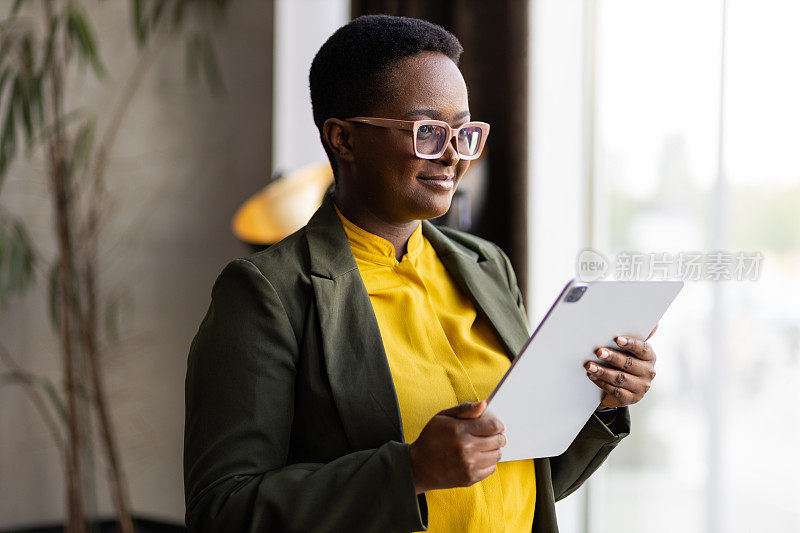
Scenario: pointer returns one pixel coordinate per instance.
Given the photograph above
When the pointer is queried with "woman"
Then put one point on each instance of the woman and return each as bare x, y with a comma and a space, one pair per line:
335, 382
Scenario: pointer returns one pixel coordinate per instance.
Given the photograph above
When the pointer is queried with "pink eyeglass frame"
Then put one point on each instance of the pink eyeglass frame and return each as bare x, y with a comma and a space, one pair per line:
414, 125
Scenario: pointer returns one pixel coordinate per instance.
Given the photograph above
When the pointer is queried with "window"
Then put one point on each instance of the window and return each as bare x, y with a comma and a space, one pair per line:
712, 445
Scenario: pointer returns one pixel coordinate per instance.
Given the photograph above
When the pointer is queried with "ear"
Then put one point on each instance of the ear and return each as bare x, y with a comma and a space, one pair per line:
339, 136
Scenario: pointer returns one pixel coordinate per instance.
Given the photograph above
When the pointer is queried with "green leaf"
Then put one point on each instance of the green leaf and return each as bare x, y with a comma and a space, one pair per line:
50, 43
16, 259
63, 122
24, 107
15, 7
139, 26
8, 140
158, 11
177, 14
54, 294
194, 46
28, 255
4, 77
37, 381
3, 252
11, 267
112, 313
211, 68
220, 6
82, 147
26, 52
36, 109
80, 31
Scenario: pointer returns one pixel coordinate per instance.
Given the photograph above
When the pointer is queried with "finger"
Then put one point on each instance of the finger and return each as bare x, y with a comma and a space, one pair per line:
618, 378
626, 362
491, 443
637, 347
481, 464
488, 471
485, 426
654, 330
465, 410
488, 459
608, 400
621, 397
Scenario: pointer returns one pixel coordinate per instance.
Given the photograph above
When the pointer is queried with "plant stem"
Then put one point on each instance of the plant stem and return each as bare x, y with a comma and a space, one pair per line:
89, 334
62, 204
89, 319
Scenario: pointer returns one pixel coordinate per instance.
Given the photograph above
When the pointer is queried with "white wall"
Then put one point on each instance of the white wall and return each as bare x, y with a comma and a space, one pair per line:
557, 166
183, 163
556, 197
301, 26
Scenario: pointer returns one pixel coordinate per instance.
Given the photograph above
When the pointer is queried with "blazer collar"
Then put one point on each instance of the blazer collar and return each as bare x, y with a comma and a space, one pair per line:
481, 278
329, 250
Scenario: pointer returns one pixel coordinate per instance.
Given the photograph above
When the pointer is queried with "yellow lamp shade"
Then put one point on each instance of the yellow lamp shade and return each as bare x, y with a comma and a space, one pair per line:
283, 206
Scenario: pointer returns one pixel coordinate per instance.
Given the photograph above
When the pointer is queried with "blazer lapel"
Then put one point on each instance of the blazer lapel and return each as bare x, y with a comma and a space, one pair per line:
358, 371
482, 280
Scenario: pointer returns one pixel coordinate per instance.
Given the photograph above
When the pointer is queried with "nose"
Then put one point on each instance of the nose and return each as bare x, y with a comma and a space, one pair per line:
450, 156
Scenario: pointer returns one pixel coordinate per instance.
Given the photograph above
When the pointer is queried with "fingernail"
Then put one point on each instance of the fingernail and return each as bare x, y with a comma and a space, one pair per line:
622, 341
603, 354
592, 368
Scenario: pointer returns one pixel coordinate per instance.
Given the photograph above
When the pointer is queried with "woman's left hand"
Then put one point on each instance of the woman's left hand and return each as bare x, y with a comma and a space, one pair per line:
630, 372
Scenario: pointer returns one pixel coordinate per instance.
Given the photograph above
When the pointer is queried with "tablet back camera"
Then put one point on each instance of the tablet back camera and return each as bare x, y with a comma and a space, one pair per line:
575, 293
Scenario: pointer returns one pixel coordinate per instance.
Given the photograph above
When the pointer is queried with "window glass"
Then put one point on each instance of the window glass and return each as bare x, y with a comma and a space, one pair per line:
687, 467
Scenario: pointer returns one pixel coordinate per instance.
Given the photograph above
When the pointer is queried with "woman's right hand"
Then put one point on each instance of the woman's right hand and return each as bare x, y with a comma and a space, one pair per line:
457, 448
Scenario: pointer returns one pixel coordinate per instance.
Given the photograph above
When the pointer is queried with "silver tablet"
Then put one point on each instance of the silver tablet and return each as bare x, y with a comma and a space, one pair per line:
545, 398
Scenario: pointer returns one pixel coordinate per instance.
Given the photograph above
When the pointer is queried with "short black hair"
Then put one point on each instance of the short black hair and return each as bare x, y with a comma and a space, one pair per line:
346, 74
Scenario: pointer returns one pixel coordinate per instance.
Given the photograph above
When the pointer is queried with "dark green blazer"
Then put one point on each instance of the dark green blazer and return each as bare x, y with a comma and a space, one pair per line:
292, 421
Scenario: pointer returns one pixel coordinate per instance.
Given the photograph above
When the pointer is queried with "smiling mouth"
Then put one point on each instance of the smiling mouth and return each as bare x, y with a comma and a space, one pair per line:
445, 184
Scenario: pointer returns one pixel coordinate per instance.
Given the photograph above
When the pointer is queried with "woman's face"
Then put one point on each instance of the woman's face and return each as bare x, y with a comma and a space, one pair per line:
387, 178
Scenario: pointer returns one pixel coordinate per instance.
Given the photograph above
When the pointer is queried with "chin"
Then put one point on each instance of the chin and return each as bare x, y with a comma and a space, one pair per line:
428, 202
434, 209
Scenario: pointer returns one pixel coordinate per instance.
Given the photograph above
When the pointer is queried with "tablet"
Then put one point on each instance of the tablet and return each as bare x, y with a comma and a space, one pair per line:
545, 397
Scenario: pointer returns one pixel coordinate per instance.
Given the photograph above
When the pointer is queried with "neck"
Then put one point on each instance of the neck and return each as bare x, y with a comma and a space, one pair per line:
396, 233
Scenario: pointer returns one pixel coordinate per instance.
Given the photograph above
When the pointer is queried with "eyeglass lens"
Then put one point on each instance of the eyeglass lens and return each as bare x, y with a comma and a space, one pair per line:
431, 138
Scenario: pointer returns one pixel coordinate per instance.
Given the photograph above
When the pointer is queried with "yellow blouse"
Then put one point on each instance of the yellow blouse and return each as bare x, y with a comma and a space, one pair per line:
441, 353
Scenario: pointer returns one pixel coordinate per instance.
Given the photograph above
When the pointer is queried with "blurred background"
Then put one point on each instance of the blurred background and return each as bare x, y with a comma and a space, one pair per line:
138, 129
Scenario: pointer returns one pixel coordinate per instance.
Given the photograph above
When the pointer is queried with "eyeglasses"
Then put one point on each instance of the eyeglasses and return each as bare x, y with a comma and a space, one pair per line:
431, 137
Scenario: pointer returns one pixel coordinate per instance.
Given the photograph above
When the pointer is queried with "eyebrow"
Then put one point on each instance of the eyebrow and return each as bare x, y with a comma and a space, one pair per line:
435, 114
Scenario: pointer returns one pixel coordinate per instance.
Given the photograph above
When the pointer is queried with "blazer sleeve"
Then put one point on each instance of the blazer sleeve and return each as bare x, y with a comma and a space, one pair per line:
595, 440
239, 410
587, 452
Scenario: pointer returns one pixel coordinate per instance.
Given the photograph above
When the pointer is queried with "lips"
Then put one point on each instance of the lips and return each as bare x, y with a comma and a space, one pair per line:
439, 183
